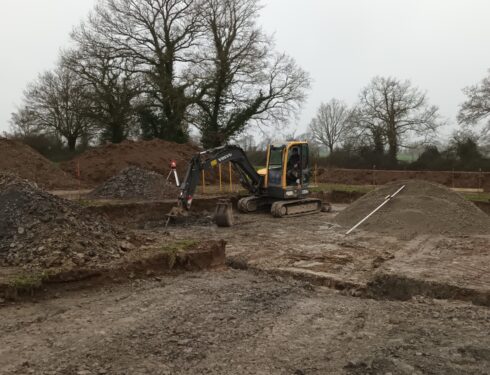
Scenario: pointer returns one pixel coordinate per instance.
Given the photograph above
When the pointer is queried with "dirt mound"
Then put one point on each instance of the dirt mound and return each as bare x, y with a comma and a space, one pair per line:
100, 164
466, 180
39, 230
18, 158
136, 183
421, 208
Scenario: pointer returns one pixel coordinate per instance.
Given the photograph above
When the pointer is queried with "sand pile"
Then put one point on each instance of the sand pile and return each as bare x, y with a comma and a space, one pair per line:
39, 230
136, 183
18, 158
422, 208
101, 163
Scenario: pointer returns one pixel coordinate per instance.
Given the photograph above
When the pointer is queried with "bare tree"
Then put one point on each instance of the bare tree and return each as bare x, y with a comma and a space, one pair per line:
244, 80
399, 110
23, 123
112, 85
160, 36
477, 106
332, 124
57, 102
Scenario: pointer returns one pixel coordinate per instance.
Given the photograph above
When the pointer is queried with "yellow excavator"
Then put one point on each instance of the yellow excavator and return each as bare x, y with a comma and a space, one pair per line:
283, 185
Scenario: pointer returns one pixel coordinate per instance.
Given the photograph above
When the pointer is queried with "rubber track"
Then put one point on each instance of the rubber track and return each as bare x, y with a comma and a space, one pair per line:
307, 203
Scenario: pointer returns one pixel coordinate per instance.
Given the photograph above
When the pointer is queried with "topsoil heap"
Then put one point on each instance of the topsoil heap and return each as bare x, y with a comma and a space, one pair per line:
421, 208
16, 157
99, 164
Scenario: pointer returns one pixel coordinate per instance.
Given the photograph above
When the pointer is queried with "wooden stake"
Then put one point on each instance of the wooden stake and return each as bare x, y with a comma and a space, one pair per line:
316, 173
231, 180
203, 182
220, 181
78, 178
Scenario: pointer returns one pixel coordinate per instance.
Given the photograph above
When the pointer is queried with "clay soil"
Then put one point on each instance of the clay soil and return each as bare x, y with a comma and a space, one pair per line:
18, 158
101, 163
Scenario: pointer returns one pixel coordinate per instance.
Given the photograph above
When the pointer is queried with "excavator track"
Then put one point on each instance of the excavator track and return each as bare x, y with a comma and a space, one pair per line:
297, 207
252, 203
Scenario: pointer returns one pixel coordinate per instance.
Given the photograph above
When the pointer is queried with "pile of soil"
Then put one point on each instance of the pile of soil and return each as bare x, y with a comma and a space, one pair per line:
136, 183
101, 163
18, 158
421, 208
39, 230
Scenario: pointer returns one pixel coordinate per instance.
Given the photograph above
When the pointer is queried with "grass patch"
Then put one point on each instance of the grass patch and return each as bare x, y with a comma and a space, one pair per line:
181, 245
27, 282
174, 248
477, 197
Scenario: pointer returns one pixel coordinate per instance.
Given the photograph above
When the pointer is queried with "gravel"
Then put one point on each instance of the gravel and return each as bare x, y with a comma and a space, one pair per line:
136, 183
421, 208
39, 230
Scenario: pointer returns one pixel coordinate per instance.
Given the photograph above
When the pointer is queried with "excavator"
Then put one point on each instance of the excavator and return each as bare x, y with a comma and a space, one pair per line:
283, 185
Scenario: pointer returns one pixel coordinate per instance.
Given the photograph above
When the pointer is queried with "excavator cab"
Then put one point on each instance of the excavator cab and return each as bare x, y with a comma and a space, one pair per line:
287, 173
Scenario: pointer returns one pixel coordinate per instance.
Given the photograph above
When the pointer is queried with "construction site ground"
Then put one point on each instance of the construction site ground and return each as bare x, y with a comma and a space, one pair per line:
296, 297
313, 248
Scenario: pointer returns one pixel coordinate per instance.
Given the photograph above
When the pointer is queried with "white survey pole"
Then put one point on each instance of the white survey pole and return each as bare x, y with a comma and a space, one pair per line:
387, 199
173, 170
176, 178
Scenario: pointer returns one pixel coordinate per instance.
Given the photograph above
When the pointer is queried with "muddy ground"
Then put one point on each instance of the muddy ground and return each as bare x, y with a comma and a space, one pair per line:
299, 297
240, 322
364, 263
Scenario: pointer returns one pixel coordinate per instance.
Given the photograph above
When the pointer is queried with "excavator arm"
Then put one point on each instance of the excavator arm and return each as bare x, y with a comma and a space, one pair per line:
208, 159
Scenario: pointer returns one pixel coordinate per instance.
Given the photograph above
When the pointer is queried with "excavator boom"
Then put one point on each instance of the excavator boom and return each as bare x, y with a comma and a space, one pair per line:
208, 159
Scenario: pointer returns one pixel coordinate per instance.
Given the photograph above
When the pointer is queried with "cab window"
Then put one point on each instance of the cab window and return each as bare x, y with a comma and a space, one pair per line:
275, 165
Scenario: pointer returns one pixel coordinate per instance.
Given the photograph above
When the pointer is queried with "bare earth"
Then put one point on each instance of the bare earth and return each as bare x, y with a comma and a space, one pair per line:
238, 322
261, 320
313, 247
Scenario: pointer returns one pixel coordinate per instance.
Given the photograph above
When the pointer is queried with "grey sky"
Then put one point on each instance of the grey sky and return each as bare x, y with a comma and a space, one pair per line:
441, 45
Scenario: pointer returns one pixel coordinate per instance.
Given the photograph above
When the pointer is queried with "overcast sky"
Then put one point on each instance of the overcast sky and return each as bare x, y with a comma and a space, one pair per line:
440, 45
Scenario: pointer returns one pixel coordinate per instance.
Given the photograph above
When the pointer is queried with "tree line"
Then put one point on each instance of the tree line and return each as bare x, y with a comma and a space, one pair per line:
157, 68
391, 114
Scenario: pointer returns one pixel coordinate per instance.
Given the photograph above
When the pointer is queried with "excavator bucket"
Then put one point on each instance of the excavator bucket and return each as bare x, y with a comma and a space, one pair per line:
176, 212
223, 215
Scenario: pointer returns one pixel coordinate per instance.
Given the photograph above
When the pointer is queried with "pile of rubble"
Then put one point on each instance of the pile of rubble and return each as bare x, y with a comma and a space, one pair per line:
421, 208
136, 183
39, 230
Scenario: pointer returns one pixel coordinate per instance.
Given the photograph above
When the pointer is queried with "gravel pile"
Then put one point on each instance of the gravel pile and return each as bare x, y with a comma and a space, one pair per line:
421, 208
39, 230
136, 183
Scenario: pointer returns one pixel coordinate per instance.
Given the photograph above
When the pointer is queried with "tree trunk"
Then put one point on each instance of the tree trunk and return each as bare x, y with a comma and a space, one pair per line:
393, 151
72, 142
392, 144
117, 134
211, 138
